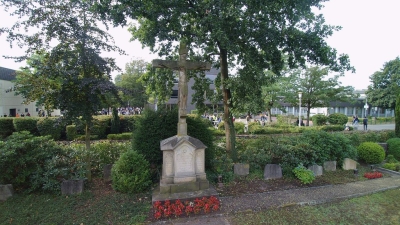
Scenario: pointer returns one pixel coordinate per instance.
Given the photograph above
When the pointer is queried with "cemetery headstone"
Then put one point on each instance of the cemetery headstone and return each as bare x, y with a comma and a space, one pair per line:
241, 169
317, 170
349, 164
71, 187
183, 168
330, 166
6, 191
107, 172
272, 171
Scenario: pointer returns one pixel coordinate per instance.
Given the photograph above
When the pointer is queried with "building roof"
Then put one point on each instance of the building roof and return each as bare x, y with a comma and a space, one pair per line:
7, 74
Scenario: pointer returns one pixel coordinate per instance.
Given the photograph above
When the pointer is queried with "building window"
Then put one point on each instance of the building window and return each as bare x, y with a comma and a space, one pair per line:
174, 94
37, 109
26, 109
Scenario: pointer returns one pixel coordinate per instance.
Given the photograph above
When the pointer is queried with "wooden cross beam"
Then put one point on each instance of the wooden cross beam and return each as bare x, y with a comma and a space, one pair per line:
182, 65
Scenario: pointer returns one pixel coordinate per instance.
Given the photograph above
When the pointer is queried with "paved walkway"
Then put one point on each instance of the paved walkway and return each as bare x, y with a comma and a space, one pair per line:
303, 196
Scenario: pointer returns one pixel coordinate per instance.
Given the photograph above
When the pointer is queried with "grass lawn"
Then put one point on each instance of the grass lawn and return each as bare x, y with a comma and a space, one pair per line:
381, 208
91, 207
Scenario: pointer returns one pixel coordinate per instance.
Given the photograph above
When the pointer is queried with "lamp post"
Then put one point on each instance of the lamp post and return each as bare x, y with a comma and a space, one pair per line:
300, 108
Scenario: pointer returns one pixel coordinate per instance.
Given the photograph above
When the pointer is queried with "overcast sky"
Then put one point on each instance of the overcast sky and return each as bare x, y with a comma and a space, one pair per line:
369, 35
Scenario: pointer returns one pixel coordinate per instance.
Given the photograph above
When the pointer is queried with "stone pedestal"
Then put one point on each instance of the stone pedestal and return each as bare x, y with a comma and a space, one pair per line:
349, 164
241, 169
107, 172
71, 187
6, 191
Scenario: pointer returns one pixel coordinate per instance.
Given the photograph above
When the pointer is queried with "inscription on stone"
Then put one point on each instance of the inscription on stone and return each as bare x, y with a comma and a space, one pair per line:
169, 170
200, 161
185, 161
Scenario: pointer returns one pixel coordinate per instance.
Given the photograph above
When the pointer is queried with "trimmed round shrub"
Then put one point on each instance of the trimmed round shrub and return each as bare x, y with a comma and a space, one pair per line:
131, 173
319, 119
394, 147
371, 152
337, 119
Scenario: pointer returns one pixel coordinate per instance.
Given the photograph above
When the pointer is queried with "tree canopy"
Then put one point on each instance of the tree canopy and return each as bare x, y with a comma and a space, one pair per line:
253, 35
385, 85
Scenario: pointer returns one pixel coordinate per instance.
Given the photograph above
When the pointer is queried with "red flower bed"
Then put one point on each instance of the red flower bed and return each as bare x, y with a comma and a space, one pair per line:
168, 209
373, 175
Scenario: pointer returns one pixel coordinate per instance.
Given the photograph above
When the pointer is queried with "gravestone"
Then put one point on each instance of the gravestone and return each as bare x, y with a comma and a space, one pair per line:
71, 187
349, 164
317, 170
272, 171
6, 191
183, 169
241, 169
107, 172
330, 166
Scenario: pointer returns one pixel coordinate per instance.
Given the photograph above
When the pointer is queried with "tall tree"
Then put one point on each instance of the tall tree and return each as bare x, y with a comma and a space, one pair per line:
132, 89
385, 85
317, 90
251, 34
69, 32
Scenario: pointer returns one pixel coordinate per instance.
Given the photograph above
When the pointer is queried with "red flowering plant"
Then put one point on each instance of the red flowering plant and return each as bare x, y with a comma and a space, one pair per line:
168, 209
373, 175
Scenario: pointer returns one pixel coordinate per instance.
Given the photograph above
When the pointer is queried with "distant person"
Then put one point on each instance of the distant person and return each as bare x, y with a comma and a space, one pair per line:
365, 122
355, 122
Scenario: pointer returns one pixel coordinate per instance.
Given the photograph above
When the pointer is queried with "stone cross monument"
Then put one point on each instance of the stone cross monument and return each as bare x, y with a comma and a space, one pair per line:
182, 65
183, 156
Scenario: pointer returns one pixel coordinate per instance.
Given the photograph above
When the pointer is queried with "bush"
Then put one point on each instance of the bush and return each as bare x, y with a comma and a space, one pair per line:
394, 147
337, 119
391, 159
26, 124
123, 136
127, 123
6, 127
319, 119
31, 163
371, 152
101, 124
155, 126
239, 127
253, 152
332, 128
305, 175
131, 174
391, 166
72, 133
50, 126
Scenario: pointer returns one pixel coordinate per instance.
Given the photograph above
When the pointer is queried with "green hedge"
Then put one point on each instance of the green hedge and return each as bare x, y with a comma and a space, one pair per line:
101, 126
26, 124
337, 119
6, 126
50, 126
127, 123
123, 136
394, 147
72, 133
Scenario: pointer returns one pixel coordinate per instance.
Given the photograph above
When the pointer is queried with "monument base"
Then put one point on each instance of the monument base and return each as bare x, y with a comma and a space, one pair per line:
158, 196
184, 187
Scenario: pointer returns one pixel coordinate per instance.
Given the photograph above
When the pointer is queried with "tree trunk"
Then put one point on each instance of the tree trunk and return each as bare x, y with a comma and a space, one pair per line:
228, 123
88, 158
397, 117
269, 115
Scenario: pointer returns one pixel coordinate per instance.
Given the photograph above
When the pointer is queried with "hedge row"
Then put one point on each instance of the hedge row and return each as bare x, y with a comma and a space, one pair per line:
61, 130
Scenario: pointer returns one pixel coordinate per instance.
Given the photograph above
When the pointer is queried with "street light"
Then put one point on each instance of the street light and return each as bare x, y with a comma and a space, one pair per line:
300, 108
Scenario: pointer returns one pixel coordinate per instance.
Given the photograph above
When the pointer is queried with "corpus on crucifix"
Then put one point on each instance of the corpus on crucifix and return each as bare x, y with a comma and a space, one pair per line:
182, 65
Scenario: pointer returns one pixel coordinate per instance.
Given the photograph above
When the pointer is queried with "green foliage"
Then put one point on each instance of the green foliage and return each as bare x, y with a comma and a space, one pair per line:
371, 136
106, 152
71, 132
391, 159
127, 123
154, 126
26, 124
394, 147
100, 126
115, 122
332, 128
131, 173
305, 175
392, 166
50, 126
239, 127
337, 119
123, 136
254, 152
319, 119
6, 126
371, 152
32, 163
222, 165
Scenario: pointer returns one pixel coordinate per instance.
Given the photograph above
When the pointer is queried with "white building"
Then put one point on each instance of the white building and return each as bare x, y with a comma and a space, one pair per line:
11, 104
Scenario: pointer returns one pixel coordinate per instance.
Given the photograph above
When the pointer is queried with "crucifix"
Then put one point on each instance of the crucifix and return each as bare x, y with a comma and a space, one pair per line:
182, 65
